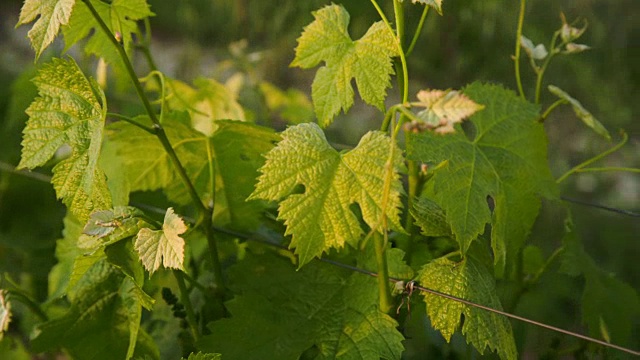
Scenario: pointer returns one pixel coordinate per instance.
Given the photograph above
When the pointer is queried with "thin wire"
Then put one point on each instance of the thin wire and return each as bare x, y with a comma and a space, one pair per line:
599, 206
3, 166
490, 309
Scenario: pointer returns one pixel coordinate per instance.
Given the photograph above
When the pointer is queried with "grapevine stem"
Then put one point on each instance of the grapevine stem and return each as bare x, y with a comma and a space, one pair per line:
418, 32
384, 288
205, 212
580, 167
133, 122
516, 59
551, 108
186, 301
540, 72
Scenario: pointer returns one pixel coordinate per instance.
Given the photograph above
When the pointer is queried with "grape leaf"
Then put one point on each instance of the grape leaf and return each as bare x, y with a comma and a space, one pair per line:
321, 218
211, 101
162, 247
430, 217
120, 17
506, 159
203, 356
51, 15
584, 114
70, 109
445, 108
106, 227
286, 312
148, 167
97, 325
368, 60
436, 4
610, 307
5, 312
471, 281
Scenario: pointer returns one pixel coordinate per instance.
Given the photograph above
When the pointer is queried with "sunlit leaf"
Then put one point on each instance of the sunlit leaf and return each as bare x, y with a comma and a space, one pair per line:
320, 218
70, 110
368, 60
436, 4
582, 113
162, 247
5, 313
203, 356
471, 281
208, 102
51, 15
444, 109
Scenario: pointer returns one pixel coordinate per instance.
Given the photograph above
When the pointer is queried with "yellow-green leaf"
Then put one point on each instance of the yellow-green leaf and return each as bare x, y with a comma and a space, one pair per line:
51, 15
320, 218
471, 281
162, 247
70, 110
368, 60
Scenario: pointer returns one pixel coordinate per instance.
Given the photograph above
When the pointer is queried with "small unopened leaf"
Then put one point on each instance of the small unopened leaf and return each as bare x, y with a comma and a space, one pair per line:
5, 313
536, 52
445, 108
162, 247
471, 281
368, 60
50, 14
573, 48
71, 110
569, 33
321, 217
436, 4
581, 112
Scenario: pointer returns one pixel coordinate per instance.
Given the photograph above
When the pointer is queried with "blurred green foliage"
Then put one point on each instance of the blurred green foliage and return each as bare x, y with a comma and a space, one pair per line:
474, 40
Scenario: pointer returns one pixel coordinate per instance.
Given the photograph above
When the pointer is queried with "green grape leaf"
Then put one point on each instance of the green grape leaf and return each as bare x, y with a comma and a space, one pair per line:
231, 156
504, 157
71, 110
120, 17
430, 217
98, 323
368, 60
162, 247
203, 356
5, 312
209, 102
582, 113
436, 4
66, 253
51, 14
321, 218
610, 307
471, 281
285, 312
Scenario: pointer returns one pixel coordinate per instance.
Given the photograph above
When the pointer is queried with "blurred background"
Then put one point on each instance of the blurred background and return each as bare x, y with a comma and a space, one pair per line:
473, 40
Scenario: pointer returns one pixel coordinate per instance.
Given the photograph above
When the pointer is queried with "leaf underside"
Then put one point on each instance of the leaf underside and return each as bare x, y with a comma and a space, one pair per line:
508, 145
320, 218
70, 110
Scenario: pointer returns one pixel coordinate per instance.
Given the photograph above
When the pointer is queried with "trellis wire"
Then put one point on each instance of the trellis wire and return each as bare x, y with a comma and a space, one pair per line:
42, 177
